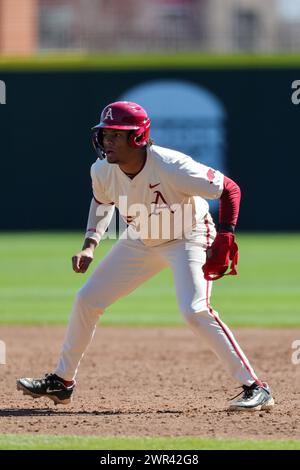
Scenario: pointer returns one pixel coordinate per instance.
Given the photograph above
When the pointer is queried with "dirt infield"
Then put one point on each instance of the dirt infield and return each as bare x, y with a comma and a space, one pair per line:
149, 382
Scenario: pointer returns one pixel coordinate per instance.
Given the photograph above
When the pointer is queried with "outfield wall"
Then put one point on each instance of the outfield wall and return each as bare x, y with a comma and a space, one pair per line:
241, 120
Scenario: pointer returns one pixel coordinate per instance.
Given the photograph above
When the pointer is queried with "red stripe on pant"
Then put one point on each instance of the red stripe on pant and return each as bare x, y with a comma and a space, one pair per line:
221, 324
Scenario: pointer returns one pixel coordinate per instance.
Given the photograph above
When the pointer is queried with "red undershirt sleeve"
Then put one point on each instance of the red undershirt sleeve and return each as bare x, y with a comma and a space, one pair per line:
229, 202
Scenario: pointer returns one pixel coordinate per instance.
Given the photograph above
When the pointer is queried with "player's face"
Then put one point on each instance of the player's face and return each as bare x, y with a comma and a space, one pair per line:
115, 143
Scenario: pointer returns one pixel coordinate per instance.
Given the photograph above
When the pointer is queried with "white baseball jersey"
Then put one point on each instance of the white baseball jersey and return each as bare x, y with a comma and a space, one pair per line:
164, 200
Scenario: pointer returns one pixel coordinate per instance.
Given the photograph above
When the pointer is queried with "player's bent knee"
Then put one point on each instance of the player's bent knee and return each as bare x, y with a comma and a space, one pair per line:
190, 309
193, 317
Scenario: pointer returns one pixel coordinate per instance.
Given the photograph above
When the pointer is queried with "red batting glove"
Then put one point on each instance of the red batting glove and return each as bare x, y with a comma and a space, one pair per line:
223, 250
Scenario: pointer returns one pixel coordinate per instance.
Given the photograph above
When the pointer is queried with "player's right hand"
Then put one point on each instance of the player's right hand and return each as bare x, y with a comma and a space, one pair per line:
82, 260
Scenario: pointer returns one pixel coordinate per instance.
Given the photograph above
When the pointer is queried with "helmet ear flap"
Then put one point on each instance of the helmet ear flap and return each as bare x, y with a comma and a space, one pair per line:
138, 138
134, 138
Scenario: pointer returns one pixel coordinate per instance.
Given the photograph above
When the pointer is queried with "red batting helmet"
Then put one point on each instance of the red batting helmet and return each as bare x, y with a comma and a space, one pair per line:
126, 116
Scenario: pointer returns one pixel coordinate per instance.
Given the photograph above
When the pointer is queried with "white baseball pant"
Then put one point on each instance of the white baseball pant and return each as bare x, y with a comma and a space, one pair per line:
128, 265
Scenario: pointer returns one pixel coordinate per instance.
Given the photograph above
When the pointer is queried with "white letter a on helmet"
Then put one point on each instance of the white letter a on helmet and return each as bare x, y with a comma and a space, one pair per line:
109, 114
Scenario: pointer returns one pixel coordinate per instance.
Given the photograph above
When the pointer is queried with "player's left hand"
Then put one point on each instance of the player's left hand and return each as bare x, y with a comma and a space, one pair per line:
223, 250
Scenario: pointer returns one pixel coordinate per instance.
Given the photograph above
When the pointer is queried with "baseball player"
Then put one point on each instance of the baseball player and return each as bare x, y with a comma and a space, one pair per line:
161, 194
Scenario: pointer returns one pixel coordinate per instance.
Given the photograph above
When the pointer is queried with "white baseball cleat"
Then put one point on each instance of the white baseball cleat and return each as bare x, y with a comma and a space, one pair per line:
254, 398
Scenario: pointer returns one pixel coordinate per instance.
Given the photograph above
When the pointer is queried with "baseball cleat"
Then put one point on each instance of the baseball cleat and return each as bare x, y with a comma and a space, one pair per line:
254, 398
50, 386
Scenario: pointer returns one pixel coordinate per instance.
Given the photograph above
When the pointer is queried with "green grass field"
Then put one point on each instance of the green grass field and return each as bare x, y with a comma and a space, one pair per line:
162, 60
25, 442
37, 285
